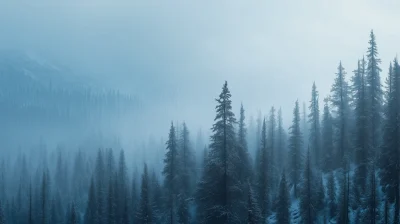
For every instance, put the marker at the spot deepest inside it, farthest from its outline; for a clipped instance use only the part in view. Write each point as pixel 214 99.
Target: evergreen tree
pixel 361 141
pixel 145 214
pixel 374 92
pixel 295 146
pixel 307 209
pixel 327 138
pixel 262 177
pixel 314 132
pixel 280 142
pixel 283 202
pixel 272 178
pixel 245 170
pixel 253 211
pixel 340 102
pixel 389 157
pixel 156 199
pixel 220 195
pixel 187 174
pixel 170 172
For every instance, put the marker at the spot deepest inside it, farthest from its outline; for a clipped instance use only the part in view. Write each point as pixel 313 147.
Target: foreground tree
pixel 219 194
pixel 340 103
pixel 171 175
pixel 295 146
pixel 314 132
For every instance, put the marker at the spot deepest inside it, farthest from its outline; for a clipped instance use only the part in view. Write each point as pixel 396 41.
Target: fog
pixel 178 53
pixel 102 73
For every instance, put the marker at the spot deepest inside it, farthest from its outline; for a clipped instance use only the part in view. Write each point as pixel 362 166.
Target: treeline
pixel 338 165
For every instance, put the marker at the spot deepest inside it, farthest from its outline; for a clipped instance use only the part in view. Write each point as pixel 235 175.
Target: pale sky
pixel 178 53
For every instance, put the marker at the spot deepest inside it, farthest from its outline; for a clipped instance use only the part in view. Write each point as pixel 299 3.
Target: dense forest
pixel 337 163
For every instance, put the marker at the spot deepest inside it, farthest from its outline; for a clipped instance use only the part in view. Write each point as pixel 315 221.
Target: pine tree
pixel 262 177
pixel 340 102
pixel 361 141
pixel 280 142
pixel 327 138
pixel 314 132
pixel 283 202
pixel 220 195
pixel 304 126
pixel 253 211
pixel 156 198
pixel 389 157
pixel 295 146
pixel 145 214
pixel 187 175
pixel 170 172
pixel 245 169
pixel 374 92
pixel 307 209
pixel 272 178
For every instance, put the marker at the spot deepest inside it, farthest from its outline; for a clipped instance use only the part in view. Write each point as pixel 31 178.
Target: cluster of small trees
pixel 329 167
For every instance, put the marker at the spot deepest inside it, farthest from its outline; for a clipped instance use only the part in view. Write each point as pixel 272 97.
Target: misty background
pixel 172 57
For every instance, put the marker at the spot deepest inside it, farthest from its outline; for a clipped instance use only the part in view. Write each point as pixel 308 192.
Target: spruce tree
pixel 374 92
pixel 245 169
pixel 145 213
pixel 314 132
pixel 389 157
pixel 280 142
pixel 361 140
pixel 171 175
pixel 283 202
pixel 272 178
pixel 340 101
pixel 295 149
pixel 220 195
pixel 187 175
pixel 307 207
pixel 327 138
pixel 262 176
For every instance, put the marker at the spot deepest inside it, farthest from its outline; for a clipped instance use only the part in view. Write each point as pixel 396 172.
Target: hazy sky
pixel 180 52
